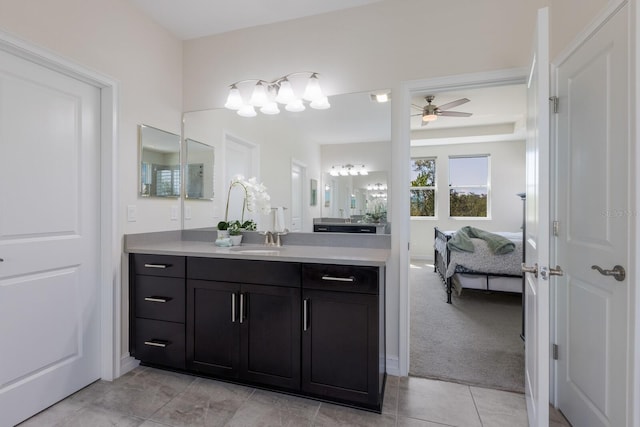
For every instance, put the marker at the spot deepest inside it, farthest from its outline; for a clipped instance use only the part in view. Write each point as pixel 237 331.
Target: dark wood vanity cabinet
pixel 157 304
pixel 311 329
pixel 244 320
pixel 343 338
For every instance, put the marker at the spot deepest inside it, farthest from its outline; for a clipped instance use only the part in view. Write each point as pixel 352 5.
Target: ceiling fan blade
pixel 454 114
pixel 423 123
pixel 453 104
pixel 417 107
pixel 416 115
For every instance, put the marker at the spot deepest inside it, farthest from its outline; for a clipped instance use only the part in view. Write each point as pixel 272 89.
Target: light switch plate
pixel 187 212
pixel 132 213
pixel 174 213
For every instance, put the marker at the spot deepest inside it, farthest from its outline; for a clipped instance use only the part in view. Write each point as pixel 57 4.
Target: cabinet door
pixel 213 327
pixel 270 335
pixel 340 346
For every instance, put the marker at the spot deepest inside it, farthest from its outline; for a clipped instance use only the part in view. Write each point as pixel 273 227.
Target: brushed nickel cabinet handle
pixel 233 307
pixel 161 300
pixel 305 314
pixel 339 279
pixel 156 343
pixel 157 265
pixel 241 307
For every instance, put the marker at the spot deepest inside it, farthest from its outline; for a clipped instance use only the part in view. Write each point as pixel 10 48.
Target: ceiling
pixel 498 112
pixel 189 19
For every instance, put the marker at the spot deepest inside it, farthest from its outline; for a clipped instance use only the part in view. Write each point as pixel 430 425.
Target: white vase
pixel 235 240
pixel 223 234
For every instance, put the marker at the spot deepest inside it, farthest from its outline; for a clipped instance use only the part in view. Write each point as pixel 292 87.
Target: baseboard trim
pixel 393 366
pixel 128 363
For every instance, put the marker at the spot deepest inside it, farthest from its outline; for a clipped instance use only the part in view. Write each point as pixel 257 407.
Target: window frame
pixel 433 187
pixel 487 186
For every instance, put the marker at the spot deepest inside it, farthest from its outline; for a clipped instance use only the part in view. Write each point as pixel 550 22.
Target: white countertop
pixel 290 253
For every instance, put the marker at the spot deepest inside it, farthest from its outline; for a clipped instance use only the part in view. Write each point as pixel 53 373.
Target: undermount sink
pixel 249 251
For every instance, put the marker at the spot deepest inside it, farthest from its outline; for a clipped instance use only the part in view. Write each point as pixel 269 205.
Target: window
pixel 423 187
pixel 469 186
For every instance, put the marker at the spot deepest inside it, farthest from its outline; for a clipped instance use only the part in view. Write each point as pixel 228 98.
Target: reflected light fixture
pixel 266 95
pixel 348 170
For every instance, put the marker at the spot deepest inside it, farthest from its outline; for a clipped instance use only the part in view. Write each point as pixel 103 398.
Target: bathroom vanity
pixel 303 319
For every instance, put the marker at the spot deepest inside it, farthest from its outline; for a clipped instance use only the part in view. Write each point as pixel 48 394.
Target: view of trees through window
pixel 423 187
pixel 468 186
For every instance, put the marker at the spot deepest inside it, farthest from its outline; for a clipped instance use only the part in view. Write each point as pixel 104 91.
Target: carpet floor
pixel 476 340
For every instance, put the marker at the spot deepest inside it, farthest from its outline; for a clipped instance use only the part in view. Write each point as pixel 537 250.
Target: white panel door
pixel 537 229
pixel 49 237
pixel 297 174
pixel 594 213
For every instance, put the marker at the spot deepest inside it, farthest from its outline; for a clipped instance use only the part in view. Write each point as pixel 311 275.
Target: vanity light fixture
pixel 267 95
pixel 348 170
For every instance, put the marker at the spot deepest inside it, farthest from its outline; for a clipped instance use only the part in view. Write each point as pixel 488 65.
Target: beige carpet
pixel 476 340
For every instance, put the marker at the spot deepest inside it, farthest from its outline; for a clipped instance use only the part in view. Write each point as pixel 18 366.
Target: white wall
pixel 507 177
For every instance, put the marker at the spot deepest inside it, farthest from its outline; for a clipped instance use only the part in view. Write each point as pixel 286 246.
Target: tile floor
pixel 150 397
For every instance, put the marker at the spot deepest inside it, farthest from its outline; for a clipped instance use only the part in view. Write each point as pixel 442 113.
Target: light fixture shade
pixel 429 117
pixel 344 171
pixel 270 108
pixel 363 171
pixel 320 104
pixel 382 97
pixel 353 171
pixel 295 106
pixel 313 91
pixel 285 93
pixel 334 171
pixel 247 111
pixel 234 100
pixel 259 96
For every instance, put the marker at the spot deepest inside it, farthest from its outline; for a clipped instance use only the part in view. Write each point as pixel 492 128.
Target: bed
pixel 480 269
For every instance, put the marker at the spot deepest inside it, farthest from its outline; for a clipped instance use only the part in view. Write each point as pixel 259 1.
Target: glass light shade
pixel 259 96
pixel 247 111
pixel 234 100
pixel 363 171
pixel 313 92
pixel 353 171
pixel 295 106
pixel 285 93
pixel 334 171
pixel 270 108
pixel 344 172
pixel 429 117
pixel 320 104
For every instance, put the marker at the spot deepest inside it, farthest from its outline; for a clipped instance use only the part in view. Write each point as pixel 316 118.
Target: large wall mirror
pixel 159 162
pixel 356 129
pixel 198 170
pixel 356 197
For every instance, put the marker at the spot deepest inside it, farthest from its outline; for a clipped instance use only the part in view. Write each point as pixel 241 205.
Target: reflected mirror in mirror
pixel 198 170
pixel 355 128
pixel 159 162
pixel 359 198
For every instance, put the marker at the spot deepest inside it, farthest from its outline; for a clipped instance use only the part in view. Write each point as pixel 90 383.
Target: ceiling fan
pixel 431 112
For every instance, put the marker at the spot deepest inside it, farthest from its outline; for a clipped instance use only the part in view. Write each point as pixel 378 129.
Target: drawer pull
pixel 339 279
pixel 156 343
pixel 157 299
pixel 233 307
pixel 242 307
pixel 157 265
pixel 365 230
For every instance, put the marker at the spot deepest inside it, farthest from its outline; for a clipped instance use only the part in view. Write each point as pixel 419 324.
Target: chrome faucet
pixel 268 238
pixel 272 238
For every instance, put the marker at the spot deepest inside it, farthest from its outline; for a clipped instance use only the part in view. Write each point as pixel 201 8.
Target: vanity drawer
pixel 244 271
pixel 161 343
pixel 344 278
pixel 160 298
pixel 159 265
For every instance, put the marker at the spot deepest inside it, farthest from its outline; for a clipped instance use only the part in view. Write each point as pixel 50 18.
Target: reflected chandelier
pixel 267 95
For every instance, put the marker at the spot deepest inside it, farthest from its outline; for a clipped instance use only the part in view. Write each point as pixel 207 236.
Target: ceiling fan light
pixel 429 117
pixel 313 91
pixel 234 100
pixel 285 93
pixel 295 106
pixel 270 108
pixel 259 96
pixel 320 104
pixel 247 111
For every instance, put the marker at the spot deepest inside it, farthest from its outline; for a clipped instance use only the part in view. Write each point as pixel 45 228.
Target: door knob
pixel 546 272
pixel 527 269
pixel 617 272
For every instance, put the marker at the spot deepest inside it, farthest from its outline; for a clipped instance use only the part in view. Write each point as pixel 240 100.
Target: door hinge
pixel 556 228
pixel 554 349
pixel 554 100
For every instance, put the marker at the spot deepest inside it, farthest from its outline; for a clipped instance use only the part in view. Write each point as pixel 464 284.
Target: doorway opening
pixel 467 170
